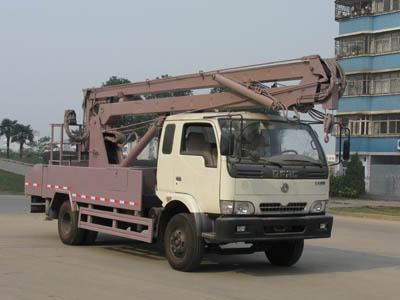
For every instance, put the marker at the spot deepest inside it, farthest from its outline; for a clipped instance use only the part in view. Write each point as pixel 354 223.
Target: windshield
pixel 272 142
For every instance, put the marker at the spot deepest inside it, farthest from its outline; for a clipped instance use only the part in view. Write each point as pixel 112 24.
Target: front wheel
pixel 183 247
pixel 285 253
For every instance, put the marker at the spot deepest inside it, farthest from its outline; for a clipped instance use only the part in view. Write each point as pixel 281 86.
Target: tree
pixel 351 184
pixel 158 96
pixel 114 80
pixel 220 89
pixel 43 144
pixel 7 129
pixel 127 120
pixel 355 175
pixel 22 134
pixel 130 120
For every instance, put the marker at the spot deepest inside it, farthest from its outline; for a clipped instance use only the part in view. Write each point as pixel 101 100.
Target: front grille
pixel 250 173
pixel 293 207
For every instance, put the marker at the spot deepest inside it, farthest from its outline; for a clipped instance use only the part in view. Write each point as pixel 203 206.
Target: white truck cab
pixel 251 177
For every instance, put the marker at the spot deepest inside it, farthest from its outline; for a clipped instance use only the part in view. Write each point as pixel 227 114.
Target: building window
pixel 368 44
pixel 395 41
pixel 382 43
pixel 373 84
pixel 386 5
pixel 354 8
pixel 372 125
pixel 352 46
pixel 381 84
pixel 386 42
pixel 347 9
pixel 357 85
pixel 386 83
pixel 386 124
pixel 359 125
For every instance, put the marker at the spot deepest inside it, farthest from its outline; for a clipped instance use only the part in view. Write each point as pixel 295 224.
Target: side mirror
pixel 226 144
pixel 346 149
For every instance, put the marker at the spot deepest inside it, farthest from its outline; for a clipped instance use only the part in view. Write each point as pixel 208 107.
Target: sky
pixel 51 50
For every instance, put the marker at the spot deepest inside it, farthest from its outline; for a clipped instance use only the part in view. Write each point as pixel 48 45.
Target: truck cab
pixel 246 177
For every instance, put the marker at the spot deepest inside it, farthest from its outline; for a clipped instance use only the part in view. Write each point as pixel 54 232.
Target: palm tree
pixel 7 129
pixel 22 134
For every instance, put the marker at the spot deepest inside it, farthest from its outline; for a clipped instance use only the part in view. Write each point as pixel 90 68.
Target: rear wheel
pixel 68 229
pixel 285 253
pixel 183 247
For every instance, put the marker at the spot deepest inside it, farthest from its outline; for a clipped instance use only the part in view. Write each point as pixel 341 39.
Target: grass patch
pixel 378 210
pixel 11 183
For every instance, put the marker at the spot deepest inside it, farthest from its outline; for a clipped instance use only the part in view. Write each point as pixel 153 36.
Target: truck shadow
pixel 315 260
pixel 139 249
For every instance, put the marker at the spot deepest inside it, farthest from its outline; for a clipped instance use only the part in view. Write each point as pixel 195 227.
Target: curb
pixel 17 162
pixel 366 216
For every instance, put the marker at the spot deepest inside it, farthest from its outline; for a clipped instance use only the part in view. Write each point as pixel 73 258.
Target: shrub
pixel 355 175
pixel 351 184
pixel 340 188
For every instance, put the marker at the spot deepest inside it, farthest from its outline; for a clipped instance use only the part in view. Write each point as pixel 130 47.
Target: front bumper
pixel 263 229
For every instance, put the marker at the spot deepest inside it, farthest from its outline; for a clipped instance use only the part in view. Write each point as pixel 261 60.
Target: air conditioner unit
pixel 398 144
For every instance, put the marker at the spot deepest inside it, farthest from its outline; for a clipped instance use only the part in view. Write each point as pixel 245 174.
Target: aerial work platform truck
pixel 221 171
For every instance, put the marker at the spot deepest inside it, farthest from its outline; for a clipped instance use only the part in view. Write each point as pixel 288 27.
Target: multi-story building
pixel 368 49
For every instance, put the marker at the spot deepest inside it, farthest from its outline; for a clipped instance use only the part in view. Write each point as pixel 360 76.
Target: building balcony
pixel 345 9
pixel 369 104
pixel 376 145
pixel 384 62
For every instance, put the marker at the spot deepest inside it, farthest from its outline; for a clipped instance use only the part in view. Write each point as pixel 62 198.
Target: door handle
pixel 178 178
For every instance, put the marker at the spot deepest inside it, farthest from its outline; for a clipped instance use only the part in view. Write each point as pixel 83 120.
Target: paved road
pixel 361 261
pixel 13 167
pixel 14 204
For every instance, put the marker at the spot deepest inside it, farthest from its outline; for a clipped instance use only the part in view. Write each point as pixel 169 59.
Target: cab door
pixel 166 159
pixel 197 165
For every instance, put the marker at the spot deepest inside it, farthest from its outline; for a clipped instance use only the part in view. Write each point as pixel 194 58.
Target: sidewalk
pixel 15 167
pixel 336 202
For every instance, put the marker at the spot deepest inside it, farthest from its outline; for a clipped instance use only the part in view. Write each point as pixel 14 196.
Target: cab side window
pixel 199 139
pixel 168 139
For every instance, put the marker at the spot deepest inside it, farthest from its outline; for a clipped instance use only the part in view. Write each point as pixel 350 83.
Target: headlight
pixel 226 207
pixel 236 207
pixel 243 208
pixel 318 206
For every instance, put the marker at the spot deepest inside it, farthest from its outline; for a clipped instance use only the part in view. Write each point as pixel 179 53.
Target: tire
pixel 90 237
pixel 183 248
pixel 285 254
pixel 68 229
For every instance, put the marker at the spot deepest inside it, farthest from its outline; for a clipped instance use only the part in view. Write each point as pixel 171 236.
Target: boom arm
pixel 319 82
pixel 312 81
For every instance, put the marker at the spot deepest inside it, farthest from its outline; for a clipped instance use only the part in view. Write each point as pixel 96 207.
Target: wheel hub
pixel 177 243
pixel 66 223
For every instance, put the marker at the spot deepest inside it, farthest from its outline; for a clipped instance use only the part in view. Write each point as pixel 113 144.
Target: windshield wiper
pixel 307 161
pixel 271 162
